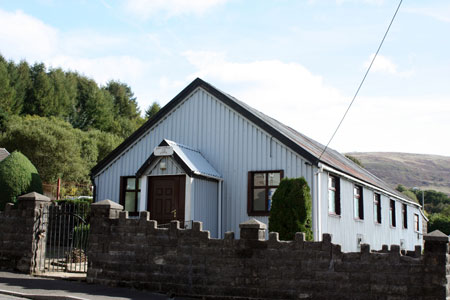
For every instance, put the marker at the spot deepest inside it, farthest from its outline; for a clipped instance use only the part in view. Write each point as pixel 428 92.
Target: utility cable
pixel 362 81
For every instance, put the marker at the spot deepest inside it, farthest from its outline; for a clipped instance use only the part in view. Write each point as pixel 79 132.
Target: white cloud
pixel 23 36
pixel 382 64
pixel 102 69
pixel 286 91
pixel 437 12
pixel 295 96
pixel 376 2
pixel 145 9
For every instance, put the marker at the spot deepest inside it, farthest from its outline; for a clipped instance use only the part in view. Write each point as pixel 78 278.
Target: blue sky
pixel 297 61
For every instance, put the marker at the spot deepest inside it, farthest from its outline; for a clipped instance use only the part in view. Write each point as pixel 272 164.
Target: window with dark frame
pixel 405 215
pixel 261 187
pixel 334 195
pixel 416 222
pixel 358 204
pixel 129 194
pixel 377 208
pixel 392 213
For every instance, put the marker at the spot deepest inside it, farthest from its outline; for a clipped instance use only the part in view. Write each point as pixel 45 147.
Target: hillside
pixel 412 170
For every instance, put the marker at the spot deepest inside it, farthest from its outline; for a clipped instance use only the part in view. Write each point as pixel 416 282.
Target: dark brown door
pixel 166 198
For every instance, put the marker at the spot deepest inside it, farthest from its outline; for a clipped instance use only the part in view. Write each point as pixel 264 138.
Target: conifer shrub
pixel 18 176
pixel 291 209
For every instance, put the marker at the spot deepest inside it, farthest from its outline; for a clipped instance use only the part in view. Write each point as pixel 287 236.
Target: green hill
pixel 428 172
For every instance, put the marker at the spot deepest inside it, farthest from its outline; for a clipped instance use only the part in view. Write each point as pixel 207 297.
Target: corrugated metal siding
pixel 233 145
pixel 172 168
pixel 204 204
pixel 345 228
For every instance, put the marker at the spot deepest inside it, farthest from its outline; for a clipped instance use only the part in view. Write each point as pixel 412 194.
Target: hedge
pixel 291 209
pixel 18 176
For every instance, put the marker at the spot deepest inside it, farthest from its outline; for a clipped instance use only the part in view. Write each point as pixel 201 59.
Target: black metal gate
pixel 66 237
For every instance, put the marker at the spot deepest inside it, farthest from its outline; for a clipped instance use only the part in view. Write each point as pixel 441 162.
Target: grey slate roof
pixel 3 153
pixel 195 160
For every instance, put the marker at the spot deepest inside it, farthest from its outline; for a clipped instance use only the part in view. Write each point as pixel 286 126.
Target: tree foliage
pixel 34 90
pixel 62 121
pixel 18 176
pixel 355 160
pixel 152 110
pixel 291 209
pixel 437 205
pixel 56 148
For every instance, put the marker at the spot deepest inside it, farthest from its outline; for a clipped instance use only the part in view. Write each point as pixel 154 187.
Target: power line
pixel 362 81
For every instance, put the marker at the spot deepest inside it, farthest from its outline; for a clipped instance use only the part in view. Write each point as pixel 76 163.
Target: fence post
pixel 436 252
pixel 32 206
pixel 253 230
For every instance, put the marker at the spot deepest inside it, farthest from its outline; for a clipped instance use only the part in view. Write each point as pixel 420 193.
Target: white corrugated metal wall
pixel 231 143
pixel 204 203
pixel 346 228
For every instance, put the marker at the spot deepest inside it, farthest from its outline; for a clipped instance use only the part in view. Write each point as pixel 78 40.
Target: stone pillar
pixel 32 235
pixel 103 214
pixel 253 230
pixel 436 253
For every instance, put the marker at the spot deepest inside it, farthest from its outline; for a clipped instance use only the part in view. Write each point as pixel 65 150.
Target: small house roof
pixel 3 153
pixel 191 160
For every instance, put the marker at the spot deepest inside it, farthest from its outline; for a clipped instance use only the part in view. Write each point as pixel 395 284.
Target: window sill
pixel 393 227
pixel 258 214
pixel 376 223
pixel 358 220
pixel 334 215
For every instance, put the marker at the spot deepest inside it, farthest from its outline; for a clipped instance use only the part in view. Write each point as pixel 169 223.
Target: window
pixel 377 208
pixel 129 194
pixel 261 186
pixel 405 215
pixel 392 213
pixel 358 205
pixel 334 197
pixel 416 222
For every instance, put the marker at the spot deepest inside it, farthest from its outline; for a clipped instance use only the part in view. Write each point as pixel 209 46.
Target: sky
pixel 299 62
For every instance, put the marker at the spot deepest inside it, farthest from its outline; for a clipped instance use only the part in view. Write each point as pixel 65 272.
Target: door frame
pixel 181 195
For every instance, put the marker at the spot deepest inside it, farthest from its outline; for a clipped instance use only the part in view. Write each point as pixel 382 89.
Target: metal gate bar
pixel 65 242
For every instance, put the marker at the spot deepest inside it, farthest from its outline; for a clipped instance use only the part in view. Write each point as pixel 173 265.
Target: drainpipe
pixel 319 202
pixel 219 209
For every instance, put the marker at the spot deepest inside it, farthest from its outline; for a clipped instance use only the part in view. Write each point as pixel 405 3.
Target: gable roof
pixel 191 160
pixel 3 153
pixel 299 143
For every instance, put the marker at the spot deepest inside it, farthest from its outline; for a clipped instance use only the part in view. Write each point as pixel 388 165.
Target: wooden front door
pixel 166 198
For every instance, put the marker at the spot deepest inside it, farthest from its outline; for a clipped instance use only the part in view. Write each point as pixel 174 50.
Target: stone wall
pixel 20 232
pixel 135 253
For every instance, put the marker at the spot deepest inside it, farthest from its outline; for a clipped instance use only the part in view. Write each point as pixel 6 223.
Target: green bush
pixel 291 209
pixel 81 236
pixel 18 176
pixel 439 222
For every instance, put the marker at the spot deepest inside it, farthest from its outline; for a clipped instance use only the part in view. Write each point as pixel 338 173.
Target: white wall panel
pixel 345 228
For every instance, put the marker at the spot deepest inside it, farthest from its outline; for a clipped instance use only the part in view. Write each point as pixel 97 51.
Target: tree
pixel 18 176
pixel 125 103
pixel 40 99
pixel 440 222
pixel 51 144
pixel 152 110
pixel 355 160
pixel 6 91
pixel 56 148
pixel 291 209
pixel 21 82
pixel 94 108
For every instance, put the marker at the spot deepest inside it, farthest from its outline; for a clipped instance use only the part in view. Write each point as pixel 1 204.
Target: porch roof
pixel 191 160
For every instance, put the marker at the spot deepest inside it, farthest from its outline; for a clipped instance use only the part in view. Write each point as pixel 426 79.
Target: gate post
pixel 102 215
pixel 31 250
